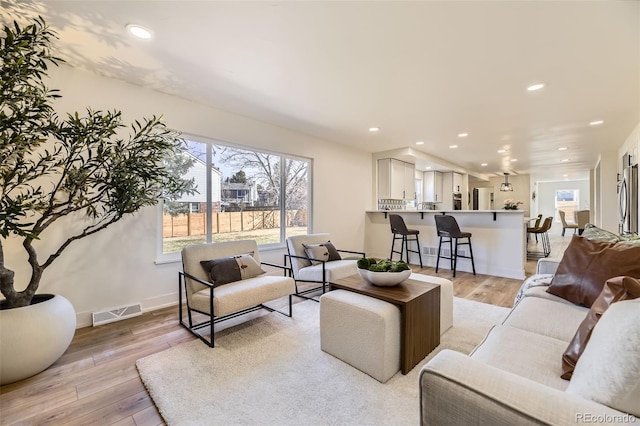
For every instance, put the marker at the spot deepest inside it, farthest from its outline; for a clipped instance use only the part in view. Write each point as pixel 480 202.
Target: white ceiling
pixel 417 70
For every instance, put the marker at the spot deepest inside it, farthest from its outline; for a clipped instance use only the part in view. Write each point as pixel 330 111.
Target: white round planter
pixel 34 337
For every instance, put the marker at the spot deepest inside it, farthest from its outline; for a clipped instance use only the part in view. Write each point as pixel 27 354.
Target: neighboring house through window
pixel 241 194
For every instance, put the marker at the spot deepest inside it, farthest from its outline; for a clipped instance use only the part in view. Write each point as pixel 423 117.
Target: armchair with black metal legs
pixel 314 259
pixel 241 285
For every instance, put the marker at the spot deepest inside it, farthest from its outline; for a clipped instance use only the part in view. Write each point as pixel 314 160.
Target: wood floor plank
pixel 85 406
pixel 115 412
pixel 148 417
pixel 17 411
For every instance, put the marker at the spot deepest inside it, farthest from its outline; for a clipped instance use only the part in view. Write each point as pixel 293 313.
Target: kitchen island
pixel 499 239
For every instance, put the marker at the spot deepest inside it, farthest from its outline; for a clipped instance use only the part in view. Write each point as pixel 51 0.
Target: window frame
pixel 162 258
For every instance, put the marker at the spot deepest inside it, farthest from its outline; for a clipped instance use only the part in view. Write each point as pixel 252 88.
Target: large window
pixel 241 194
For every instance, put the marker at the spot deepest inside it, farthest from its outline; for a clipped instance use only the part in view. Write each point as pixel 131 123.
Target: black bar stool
pixel 400 232
pixel 447 227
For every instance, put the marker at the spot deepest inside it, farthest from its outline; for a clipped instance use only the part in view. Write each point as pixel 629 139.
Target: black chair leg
pixel 438 259
pixel 451 260
pixel 393 243
pixel 419 251
pixel 454 257
pixel 473 265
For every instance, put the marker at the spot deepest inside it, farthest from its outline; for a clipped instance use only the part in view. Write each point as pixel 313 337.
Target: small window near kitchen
pixel 567 200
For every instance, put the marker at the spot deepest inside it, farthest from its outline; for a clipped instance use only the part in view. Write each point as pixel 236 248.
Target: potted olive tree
pixel 90 168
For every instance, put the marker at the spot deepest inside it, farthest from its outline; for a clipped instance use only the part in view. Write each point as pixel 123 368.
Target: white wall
pixel 608 197
pixel 116 267
pixel 520 192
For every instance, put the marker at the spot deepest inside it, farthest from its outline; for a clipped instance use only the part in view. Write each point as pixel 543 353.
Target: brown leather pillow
pixel 588 264
pixel 615 290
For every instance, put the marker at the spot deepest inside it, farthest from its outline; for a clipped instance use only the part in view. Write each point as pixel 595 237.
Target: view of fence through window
pixel 253 195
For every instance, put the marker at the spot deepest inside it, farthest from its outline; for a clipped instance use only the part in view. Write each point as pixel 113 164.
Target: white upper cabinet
pixel 457 182
pixel 452 182
pixel 396 179
pixel 432 187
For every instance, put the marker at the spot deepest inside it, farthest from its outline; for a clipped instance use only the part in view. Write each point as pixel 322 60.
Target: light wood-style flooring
pixel 96 381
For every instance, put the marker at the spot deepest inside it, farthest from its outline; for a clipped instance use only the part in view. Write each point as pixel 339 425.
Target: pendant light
pixel 506 186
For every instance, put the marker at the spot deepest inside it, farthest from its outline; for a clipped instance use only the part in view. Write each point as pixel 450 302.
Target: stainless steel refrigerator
pixel 482 199
pixel 628 196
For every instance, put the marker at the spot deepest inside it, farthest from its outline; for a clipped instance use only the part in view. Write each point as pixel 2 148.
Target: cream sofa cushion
pixel 534 356
pixel 608 370
pixel 532 315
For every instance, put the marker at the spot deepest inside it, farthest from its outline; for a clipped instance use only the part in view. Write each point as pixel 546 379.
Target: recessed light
pixel 139 31
pixel 502 151
pixel 565 175
pixel 562 148
pixel 374 129
pixel 513 160
pixel 428 168
pixel 564 160
pixel 453 146
pixel 484 164
pixel 463 135
pixel 596 123
pixel 535 87
pixel 420 143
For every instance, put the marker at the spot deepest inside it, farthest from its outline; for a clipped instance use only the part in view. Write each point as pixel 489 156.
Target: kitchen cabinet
pixel 452 182
pixel 432 187
pixel 452 187
pixel 396 179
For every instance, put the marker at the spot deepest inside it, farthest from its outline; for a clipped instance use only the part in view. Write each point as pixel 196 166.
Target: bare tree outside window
pixel 254 195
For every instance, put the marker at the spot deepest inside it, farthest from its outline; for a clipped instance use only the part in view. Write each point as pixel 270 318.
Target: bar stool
pixel 400 232
pixel 447 227
pixel 544 236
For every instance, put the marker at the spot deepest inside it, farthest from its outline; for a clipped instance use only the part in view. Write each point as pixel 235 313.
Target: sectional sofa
pixel 514 375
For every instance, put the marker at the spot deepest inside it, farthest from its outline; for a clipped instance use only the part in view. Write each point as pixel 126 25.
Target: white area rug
pixel 270 370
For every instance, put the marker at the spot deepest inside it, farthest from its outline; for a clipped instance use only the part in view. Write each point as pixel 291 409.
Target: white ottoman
pixel 446 298
pixel 362 331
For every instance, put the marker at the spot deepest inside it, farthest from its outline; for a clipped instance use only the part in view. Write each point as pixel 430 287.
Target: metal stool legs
pixel 404 247
pixel 453 250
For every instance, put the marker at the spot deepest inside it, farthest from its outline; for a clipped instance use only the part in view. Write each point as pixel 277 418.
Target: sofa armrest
pixel 547 266
pixel 456 389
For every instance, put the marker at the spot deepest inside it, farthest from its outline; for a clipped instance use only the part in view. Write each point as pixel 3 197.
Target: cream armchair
pixel 313 269
pixel 582 218
pixel 228 296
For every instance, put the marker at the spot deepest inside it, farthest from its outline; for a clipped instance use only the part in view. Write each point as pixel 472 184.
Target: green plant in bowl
pixel 384 272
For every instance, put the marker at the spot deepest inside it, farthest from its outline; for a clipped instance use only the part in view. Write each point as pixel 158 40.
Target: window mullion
pixel 209 212
pixel 283 199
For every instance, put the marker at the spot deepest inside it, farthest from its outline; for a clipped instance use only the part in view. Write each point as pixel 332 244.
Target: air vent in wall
pixel 116 314
pixel 433 251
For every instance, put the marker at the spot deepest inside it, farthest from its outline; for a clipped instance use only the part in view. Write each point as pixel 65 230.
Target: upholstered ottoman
pixel 362 331
pixel 446 298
